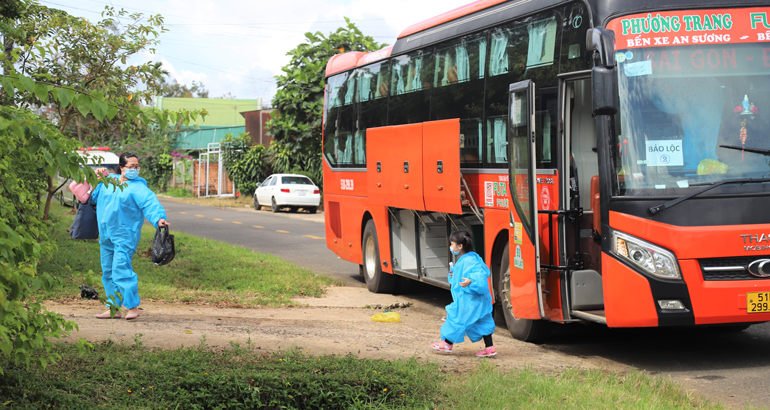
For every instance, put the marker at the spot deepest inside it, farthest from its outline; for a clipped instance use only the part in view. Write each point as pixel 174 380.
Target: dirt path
pixel 340 323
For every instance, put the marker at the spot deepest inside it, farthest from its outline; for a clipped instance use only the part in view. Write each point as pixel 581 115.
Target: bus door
pixel 526 290
pixel 582 281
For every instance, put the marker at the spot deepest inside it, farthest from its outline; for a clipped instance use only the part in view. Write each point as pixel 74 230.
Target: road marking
pixel 238 223
pixel 313 237
pixel 183 213
pixel 260 227
pixel 200 216
pixel 217 219
pixel 282 231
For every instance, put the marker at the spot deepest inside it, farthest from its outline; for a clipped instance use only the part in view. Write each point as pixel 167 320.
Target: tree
pixel 30 148
pixel 176 90
pixel 245 164
pixel 297 129
pixel 75 72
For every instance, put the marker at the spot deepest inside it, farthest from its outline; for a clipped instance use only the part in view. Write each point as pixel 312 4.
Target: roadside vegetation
pixel 241 377
pixel 179 193
pixel 243 201
pixel 203 271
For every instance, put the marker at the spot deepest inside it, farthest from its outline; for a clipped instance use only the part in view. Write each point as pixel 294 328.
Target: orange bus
pixel 609 157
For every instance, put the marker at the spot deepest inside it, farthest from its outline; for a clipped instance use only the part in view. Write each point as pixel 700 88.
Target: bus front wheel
pixel 377 281
pixel 528 330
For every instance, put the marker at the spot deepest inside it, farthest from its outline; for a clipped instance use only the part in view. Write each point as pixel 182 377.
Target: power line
pixel 216 69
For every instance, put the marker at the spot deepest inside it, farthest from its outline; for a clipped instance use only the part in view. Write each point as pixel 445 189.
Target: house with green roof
pixel 224 117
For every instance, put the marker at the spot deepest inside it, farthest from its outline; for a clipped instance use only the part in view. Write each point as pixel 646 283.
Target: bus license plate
pixel 758 302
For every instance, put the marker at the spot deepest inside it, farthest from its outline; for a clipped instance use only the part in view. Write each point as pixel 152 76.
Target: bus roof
pixel 449 16
pixel 342 62
pixel 480 14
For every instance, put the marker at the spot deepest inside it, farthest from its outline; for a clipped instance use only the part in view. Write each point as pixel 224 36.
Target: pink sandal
pixel 106 315
pixel 442 346
pixel 487 352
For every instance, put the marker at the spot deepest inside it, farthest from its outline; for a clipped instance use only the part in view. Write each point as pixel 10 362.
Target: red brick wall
pixel 199 184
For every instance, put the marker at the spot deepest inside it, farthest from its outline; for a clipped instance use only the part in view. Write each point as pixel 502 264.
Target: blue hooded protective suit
pixel 471 312
pixel 120 215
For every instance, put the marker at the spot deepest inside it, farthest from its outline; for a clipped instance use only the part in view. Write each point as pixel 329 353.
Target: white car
pixel 287 190
pixel 97 157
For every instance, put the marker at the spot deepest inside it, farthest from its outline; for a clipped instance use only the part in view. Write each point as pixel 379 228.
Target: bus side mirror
pixel 604 75
pixel 604 87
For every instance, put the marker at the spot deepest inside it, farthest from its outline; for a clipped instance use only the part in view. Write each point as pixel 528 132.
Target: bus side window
pixel 373 86
pixel 409 100
pixel 339 117
pixel 458 91
pixel 507 48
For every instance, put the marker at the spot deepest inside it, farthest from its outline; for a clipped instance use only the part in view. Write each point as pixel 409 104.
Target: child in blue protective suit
pixel 471 312
pixel 120 215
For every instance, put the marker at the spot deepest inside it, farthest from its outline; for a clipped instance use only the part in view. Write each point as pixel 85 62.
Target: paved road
pixel 731 367
pixel 297 238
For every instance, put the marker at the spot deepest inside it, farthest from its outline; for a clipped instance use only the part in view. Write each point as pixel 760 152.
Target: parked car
pixel 287 190
pixel 94 154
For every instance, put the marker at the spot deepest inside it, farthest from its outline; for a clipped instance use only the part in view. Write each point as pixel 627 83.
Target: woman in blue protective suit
pixel 471 312
pixel 120 215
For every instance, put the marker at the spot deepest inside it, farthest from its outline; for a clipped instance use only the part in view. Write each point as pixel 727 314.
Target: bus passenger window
pixel 340 113
pixel 497 142
pixel 458 91
pixel 542 42
pixel 409 101
pixel 373 83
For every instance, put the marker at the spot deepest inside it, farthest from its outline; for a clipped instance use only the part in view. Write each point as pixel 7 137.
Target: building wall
pixel 256 125
pixel 199 185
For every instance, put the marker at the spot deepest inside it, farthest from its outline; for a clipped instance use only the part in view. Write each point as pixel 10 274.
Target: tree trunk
pixel 49 197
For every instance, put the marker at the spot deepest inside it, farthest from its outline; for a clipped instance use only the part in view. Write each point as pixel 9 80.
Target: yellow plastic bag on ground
pixel 711 166
pixel 390 317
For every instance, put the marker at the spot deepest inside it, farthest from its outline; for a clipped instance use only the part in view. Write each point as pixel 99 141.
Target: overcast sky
pixel 238 46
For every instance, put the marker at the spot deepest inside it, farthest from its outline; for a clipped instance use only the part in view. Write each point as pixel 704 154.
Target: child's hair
pixel 462 238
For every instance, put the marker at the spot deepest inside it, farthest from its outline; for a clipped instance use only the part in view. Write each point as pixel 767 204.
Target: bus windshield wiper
pixel 655 209
pixel 754 150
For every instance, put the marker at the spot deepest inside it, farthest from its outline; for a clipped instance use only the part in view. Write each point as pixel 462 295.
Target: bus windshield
pixel 694 111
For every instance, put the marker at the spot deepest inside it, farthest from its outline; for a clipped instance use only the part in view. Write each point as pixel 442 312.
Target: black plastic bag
pixel 87 292
pixel 163 250
pixel 85 226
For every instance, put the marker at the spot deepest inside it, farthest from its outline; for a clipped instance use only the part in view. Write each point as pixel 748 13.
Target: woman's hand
pixel 465 282
pixel 163 223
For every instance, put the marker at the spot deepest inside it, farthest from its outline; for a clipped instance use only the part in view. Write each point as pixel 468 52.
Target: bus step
pixel 596 316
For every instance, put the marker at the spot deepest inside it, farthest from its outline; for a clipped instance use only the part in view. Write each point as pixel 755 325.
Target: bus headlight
pixel 650 258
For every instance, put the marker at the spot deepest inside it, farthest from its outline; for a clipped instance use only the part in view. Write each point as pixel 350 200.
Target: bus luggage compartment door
pixel 394 166
pixel 441 166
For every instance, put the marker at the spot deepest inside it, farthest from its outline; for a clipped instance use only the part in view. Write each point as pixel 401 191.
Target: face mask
pixel 131 173
pixel 454 252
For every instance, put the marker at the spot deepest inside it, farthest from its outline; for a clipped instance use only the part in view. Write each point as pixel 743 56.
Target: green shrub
pixel 179 193
pixel 204 378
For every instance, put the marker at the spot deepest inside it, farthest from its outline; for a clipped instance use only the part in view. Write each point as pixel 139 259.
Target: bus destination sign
pixel 678 28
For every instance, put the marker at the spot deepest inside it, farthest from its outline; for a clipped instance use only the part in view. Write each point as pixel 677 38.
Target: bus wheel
pixel 528 330
pixel 376 280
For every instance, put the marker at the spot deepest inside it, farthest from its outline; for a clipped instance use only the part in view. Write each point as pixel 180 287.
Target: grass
pixel 242 201
pixel 203 271
pixel 240 377
pixel 486 387
pixel 179 193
